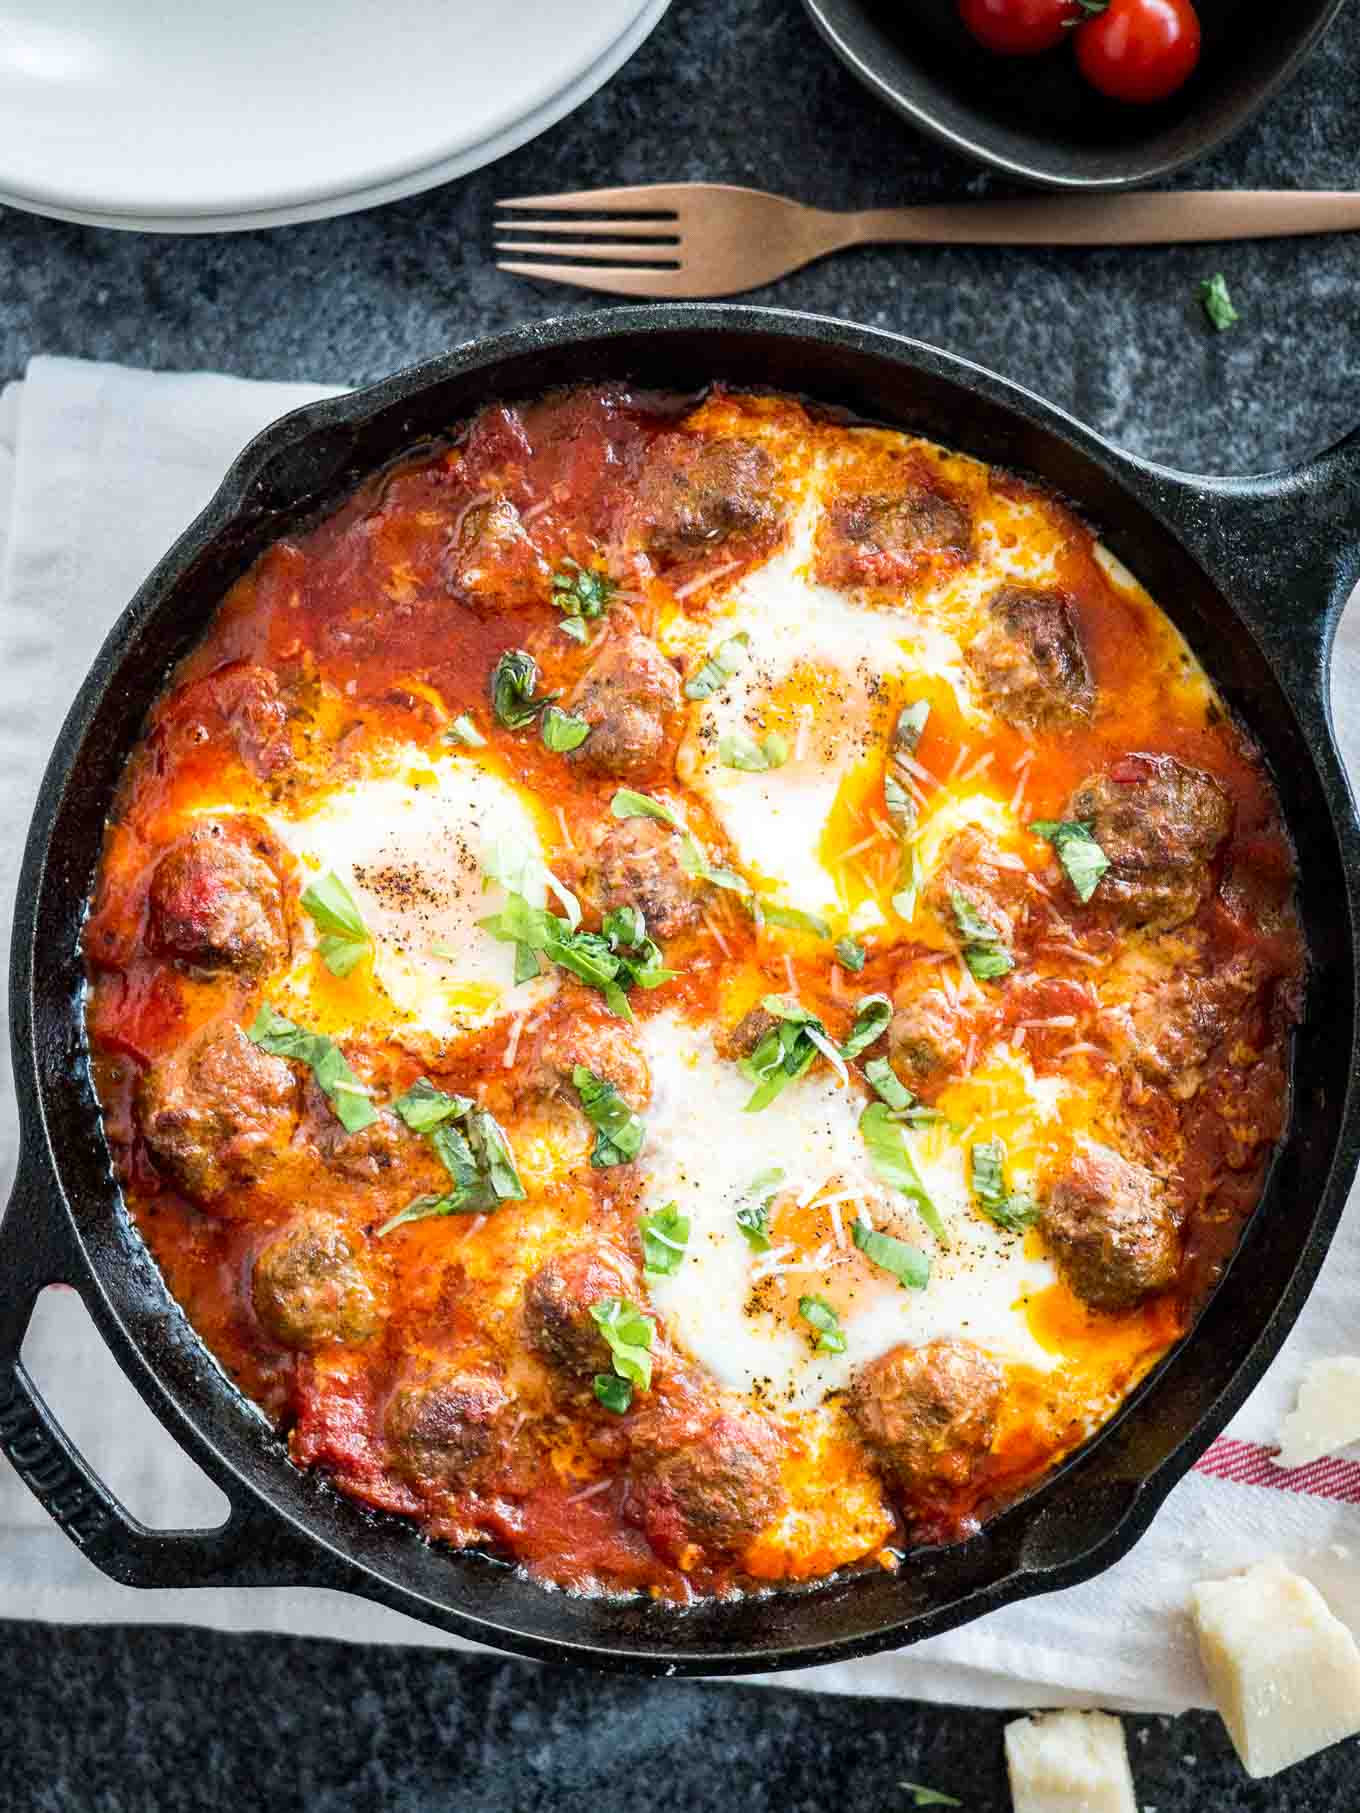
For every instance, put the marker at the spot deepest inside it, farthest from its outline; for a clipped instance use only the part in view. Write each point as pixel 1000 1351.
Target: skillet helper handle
pixel 1286 545
pixel 251 1548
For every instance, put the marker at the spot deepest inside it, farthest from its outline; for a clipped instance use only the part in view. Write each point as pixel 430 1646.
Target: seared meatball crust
pixel 1111 1230
pixel 1030 661
pixel 628 695
pixel 704 1474
pixel 1161 824
pixel 310 1289
pixel 218 1112
pixel 930 1413
pixel 214 903
pixel 557 1305
pixel 442 1423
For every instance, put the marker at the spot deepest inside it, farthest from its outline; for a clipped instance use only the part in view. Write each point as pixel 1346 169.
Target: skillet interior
pixel 1082 1517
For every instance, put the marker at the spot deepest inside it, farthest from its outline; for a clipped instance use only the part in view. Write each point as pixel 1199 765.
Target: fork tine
pixel 614 225
pixel 613 280
pixel 641 198
pixel 606 254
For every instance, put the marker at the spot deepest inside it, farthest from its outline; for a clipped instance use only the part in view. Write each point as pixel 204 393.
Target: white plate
pixel 203 115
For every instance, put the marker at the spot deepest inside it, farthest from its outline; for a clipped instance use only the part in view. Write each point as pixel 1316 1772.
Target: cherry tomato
pixel 1139 50
pixel 1019 28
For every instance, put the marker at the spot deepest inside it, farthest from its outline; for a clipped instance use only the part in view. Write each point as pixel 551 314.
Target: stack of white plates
pixel 196 116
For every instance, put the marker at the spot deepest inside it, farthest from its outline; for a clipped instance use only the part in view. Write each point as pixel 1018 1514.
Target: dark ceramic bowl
pixel 1036 120
pixel 1256 571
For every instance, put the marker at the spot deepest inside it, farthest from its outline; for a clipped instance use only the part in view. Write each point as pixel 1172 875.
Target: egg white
pixel 706 1162
pixel 411 839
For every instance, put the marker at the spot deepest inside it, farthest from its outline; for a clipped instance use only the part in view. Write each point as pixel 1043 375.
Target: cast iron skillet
pixel 1254 570
pixel 1035 119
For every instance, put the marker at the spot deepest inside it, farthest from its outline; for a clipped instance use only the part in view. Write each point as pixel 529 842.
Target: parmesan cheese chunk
pixel 1284 1673
pixel 1327 1415
pixel 1069 1762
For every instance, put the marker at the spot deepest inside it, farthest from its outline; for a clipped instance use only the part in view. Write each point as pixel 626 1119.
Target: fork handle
pixel 1170 218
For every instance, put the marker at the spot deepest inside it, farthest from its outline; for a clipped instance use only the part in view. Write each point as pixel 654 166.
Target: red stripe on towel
pixel 1249 1464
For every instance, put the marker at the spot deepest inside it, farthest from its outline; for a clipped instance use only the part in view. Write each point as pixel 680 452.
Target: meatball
pixel 877 540
pixel 926 1034
pixel 557 1316
pixel 1110 1230
pixel 309 1289
pixel 239 706
pixel 1160 824
pixel 1176 1025
pixel 929 1412
pixel 493 557
pixel 217 1113
pixel 579 1033
pixel 707 1476
pixel 637 863
pixel 442 1423
pixel 215 905
pixel 626 696
pixel 1030 662
pixel 695 494
pixel 970 868
pixel 382 1153
pixel 749 1030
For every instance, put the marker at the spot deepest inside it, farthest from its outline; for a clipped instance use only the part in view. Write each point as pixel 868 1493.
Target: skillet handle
pixel 253 1547
pixel 1285 546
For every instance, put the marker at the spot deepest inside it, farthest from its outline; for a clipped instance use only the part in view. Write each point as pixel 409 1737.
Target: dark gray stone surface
pixel 182 1721
pixel 737 90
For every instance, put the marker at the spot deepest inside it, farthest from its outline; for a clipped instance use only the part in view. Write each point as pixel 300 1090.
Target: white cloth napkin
pixel 100 468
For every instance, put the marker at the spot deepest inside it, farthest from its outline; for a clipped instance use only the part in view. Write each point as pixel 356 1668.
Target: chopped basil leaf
pixel 512 689
pixel 344 938
pixel 573 627
pixel 1013 1209
pixel 742 751
pixel 987 962
pixel 909 878
pixel 625 925
pixel 983 951
pixel 664 1238
pixel 871 1022
pixel 903 1105
pixel 463 730
pixel 851 954
pixel 629 1334
pixel 892 1160
pixel 929 1797
pixel 787 1051
pixel 423 1107
pixel 791 917
pixel 693 862
pixel 580 591
pixel 908 1264
pixel 901 807
pixel 337 1082
pixel 520 871
pixel 818 1312
pixel 455 1154
pixel 1082 859
pixel 911 721
pixel 628 804
pixel 719 668
pixel 527 965
pixel 423 1208
pixel 562 730
pixel 753 1217
pixel 1218 304
pixel 493 1156
pixel 614 1393
pixel 886 1083
pixel 619 1132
